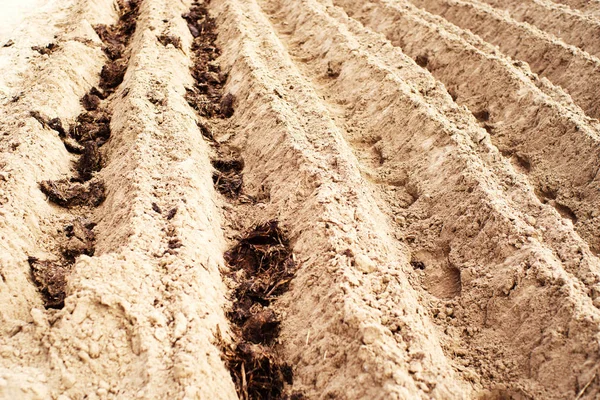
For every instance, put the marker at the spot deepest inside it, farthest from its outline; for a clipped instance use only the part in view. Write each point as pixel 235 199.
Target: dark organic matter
pixel 46 50
pixel 80 239
pixel 206 96
pixel 264 256
pixel 170 39
pixel 112 74
pixel 65 193
pixel 228 175
pixel 90 101
pixel 257 371
pixel 51 279
pixel 226 105
pixel 91 126
pixel 116 37
pixel 90 160
pixel 171 213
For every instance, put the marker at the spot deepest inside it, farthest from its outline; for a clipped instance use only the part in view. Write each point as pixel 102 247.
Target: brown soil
pixel 66 193
pixel 317 199
pixel 46 50
pixel 51 279
pixel 228 177
pixel 166 40
pixel 91 126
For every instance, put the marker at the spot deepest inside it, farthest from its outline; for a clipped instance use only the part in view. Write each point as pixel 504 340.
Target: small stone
pixel 39 318
pixel 371 333
pixel 414 367
pixel 181 325
pixel 365 264
pixel 94 350
pixel 68 380
pixel 83 356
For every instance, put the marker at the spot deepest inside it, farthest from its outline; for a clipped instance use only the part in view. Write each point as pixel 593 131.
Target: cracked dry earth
pixel 316 199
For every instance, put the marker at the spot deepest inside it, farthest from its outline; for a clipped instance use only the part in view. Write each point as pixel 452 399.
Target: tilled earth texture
pixel 301 199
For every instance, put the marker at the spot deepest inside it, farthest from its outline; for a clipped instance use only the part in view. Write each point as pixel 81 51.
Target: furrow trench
pixel 563 65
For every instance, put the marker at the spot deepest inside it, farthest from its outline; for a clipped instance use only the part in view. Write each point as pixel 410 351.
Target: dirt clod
pixel 90 161
pixel 417 265
pixel 261 327
pixel 333 71
pixel 56 124
pixel 51 279
pixel 228 177
pixel 264 256
pixel 112 74
pixel 175 243
pixel 422 60
pixel 171 213
pixel 65 193
pixel 90 102
pixel 46 50
pixel 170 39
pixel 482 115
pixel 80 239
pixel 226 105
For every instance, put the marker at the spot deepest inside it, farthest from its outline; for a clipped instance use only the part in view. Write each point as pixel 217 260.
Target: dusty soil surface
pixel 316 199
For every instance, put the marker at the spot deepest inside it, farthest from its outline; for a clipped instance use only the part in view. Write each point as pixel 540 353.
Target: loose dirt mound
pixel 278 199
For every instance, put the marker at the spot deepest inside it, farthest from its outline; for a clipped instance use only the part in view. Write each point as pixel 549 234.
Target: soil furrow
pixel 84 191
pixel 51 85
pixel 141 315
pixel 147 307
pixel 570 25
pixel 432 213
pixel 262 265
pixel 288 140
pixel 526 125
pixel 260 261
pixel 564 65
pixel 282 199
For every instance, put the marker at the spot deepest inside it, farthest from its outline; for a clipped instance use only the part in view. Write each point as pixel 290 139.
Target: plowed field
pixel 301 199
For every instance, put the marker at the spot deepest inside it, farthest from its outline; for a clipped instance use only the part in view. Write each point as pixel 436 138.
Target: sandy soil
pixel 317 199
pixel 14 12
